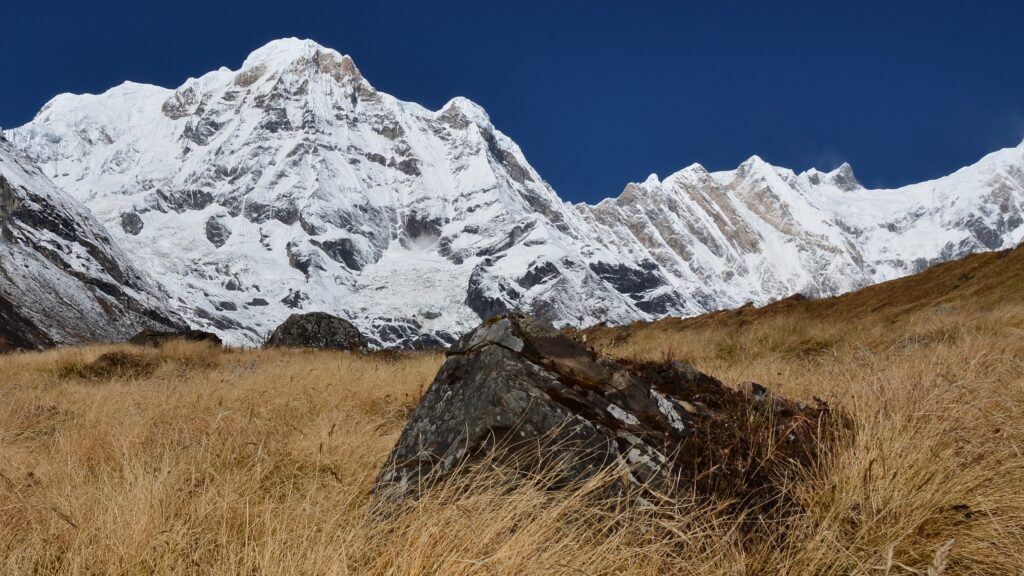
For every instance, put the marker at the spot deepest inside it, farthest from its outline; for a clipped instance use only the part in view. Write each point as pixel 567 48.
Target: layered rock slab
pixel 517 388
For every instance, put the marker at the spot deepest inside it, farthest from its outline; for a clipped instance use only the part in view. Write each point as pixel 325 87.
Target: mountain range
pixel 293 184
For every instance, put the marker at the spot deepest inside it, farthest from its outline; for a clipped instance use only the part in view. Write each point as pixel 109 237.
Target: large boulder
pixel 317 330
pixel 515 383
pixel 150 337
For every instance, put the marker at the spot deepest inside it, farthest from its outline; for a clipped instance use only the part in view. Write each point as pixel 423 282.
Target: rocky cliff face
pixel 62 279
pixel 291 184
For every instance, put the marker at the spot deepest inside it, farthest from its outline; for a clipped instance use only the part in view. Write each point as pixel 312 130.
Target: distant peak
pixel 844 178
pixel 467 108
pixel 692 172
pixel 843 168
pixel 652 180
pixel 754 165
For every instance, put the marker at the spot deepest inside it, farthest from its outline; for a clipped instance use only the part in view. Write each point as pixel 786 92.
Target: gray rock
pixel 131 223
pixel 295 299
pixel 515 383
pixel 341 250
pixel 317 330
pixel 149 337
pixel 302 258
pixel 217 232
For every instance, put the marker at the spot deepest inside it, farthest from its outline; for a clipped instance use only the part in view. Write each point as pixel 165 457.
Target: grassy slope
pixel 190 460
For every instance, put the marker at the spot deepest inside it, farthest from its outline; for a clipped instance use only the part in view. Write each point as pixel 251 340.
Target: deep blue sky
pixel 597 93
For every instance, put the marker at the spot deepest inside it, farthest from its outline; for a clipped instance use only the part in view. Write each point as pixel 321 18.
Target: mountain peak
pixel 293 184
pixel 285 50
pixel 754 167
pixel 844 178
pixel 282 53
pixel 473 111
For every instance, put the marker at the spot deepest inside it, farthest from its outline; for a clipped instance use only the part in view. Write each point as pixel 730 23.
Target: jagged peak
pixel 695 170
pixel 633 190
pixel 694 174
pixel 754 160
pixel 843 169
pixel 755 165
pixel 841 177
pixel 466 107
pixel 844 178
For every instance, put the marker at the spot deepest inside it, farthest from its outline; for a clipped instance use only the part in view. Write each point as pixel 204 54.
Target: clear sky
pixel 597 93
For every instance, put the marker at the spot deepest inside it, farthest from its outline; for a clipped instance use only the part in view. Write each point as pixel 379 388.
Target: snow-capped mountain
pixel 760 232
pixel 62 278
pixel 291 183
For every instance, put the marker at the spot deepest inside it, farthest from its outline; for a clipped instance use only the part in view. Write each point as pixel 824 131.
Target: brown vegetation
pixel 206 461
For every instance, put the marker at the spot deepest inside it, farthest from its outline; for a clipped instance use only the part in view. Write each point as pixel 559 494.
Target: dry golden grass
pixel 191 460
pixel 935 462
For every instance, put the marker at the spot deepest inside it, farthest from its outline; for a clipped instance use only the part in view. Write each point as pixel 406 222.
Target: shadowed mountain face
pixel 62 279
pixel 291 184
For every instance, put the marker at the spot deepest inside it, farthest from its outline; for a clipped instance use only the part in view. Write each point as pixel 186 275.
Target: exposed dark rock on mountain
pixel 18 332
pixel 131 223
pixel 150 337
pixel 515 382
pixel 317 330
pixel 217 232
